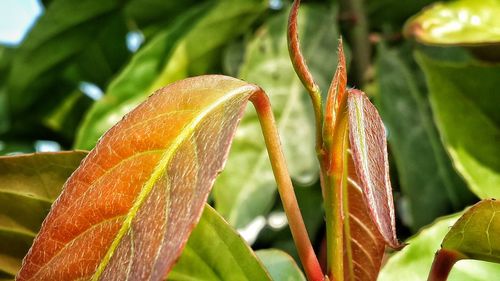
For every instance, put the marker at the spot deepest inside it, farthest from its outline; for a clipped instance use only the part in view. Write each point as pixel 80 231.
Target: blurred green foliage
pixel 440 103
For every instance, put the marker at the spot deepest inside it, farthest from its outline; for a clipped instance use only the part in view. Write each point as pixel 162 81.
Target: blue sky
pixel 16 16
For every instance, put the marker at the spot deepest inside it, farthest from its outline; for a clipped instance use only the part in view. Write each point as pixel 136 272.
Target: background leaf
pixel 28 185
pixel 246 188
pixel 135 199
pixel 215 251
pixel 173 54
pixel 280 265
pixel 465 102
pixel 415 142
pixel 457 22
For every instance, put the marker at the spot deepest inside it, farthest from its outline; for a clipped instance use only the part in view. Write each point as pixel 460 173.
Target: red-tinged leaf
pixel 337 91
pixel 364 246
pixel 369 151
pixel 127 211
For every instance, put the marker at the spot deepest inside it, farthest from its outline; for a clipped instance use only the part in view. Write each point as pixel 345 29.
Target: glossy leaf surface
pixel 464 99
pixel 215 251
pixel 415 143
pixel 475 234
pixel 173 54
pixel 245 189
pixel 457 22
pixel 28 185
pixel 369 153
pixel 135 199
pixel 280 265
pixel 414 261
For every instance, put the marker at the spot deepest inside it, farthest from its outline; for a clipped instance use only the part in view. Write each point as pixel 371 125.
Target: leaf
pixel 135 199
pixel 245 189
pixel 364 245
pixel 369 154
pixel 462 22
pixel 28 185
pixel 53 42
pixel 414 261
pixel 215 251
pixel 173 54
pixel 280 265
pixel 466 94
pixel 415 142
pixel 475 234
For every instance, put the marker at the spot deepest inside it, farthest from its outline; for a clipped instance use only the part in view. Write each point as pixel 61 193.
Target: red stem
pixel 443 263
pixel 285 187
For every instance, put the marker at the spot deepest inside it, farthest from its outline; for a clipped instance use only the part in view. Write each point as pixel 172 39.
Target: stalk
pixel 443 263
pixel 285 188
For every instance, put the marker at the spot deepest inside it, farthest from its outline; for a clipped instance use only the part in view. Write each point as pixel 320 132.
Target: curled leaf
pixel 129 208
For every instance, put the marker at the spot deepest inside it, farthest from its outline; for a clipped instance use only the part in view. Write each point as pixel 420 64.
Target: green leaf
pixel 215 251
pixel 246 188
pixel 280 265
pixel 457 22
pixel 59 35
pixel 475 234
pixel 28 185
pixel 464 99
pixel 415 142
pixel 414 261
pixel 173 54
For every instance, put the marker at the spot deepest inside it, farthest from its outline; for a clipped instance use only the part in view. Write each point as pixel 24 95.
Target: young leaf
pixel 414 261
pixel 135 199
pixel 364 245
pixel 369 153
pixel 28 185
pixel 466 93
pixel 215 251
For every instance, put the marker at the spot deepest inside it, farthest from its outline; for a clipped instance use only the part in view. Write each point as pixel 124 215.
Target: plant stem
pixel 335 186
pixel 300 66
pixel 358 36
pixel 443 263
pixel 285 187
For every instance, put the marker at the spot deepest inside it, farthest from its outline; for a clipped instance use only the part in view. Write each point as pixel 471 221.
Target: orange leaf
pixel 127 211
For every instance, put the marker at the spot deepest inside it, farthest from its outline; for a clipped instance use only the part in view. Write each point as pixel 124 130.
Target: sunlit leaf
pixel 28 185
pixel 136 197
pixel 475 234
pixel 280 265
pixel 245 189
pixel 215 251
pixel 464 99
pixel 415 143
pixel 457 22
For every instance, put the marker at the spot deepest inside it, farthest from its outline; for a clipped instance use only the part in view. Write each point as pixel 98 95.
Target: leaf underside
pixel 364 247
pixel 129 208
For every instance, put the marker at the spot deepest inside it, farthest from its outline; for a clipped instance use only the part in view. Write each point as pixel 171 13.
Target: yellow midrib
pixel 158 171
